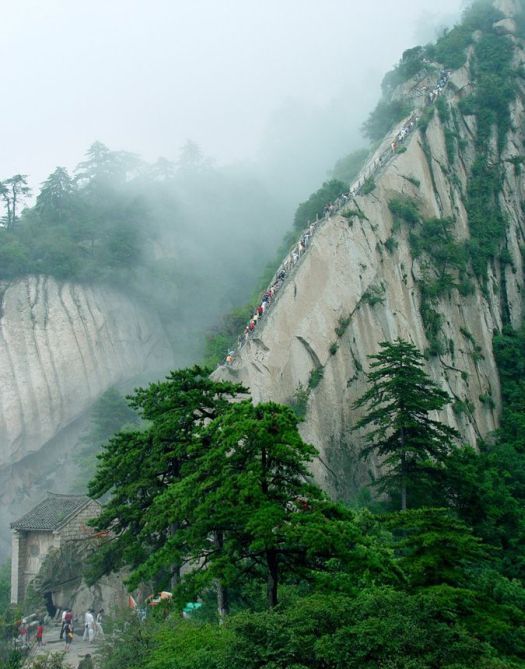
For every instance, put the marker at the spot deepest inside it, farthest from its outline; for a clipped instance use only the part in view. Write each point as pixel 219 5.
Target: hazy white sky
pixel 145 75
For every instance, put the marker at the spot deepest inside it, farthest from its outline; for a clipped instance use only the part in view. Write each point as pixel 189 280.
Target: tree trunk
pixel 403 483
pixel 272 582
pixel 9 214
pixel 13 213
pixel 223 605
pixel 175 576
pixel 403 472
pixel 175 568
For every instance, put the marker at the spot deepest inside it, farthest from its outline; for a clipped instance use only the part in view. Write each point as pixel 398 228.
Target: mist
pixel 232 76
pixel 270 96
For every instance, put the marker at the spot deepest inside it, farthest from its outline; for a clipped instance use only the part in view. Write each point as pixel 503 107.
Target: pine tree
pixel 137 466
pixel 13 192
pixel 244 508
pixel 251 483
pixel 409 442
pixel 104 167
pixel 56 198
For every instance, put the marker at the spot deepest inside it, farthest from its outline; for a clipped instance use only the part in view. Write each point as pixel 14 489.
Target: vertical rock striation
pixel 361 282
pixel 61 346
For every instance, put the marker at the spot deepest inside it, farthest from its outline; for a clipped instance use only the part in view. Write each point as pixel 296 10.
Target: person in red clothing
pixel 68 634
pixel 69 616
pixel 39 634
pixel 22 633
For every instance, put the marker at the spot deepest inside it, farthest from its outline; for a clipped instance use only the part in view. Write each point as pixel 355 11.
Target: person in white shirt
pixel 89 626
pixel 63 624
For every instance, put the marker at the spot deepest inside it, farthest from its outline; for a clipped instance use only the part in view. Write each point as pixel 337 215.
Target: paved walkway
pixel 52 644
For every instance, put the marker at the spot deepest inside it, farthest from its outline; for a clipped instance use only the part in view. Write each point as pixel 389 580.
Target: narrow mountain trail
pixel 53 644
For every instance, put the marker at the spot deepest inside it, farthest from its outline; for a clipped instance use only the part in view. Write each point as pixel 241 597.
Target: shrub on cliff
pixel 314 207
pixel 384 117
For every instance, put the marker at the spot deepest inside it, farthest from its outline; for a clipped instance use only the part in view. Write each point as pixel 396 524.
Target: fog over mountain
pixel 246 81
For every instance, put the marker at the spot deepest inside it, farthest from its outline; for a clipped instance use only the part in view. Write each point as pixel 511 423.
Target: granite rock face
pixel 352 261
pixel 61 346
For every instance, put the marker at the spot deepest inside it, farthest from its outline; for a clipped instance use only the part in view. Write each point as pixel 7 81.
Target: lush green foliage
pixel 84 228
pixel 347 168
pixel 439 585
pixel 108 415
pixel 425 588
pixel 412 62
pixel 495 89
pixel 137 466
pixel 439 626
pixel 384 117
pixel 408 442
pixel 404 210
pixel 369 185
pixel 314 207
pixel 487 489
pixel 451 47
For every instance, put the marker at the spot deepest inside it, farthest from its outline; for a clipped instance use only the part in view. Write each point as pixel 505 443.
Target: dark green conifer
pixel 409 443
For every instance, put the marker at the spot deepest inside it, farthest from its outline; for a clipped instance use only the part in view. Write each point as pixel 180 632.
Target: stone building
pixel 55 521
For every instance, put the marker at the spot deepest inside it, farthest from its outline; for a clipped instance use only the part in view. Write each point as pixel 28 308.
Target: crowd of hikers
pixel 92 626
pixel 31 629
pixel 332 208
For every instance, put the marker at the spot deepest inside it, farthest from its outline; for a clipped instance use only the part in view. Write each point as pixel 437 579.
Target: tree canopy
pixel 220 483
pixel 408 441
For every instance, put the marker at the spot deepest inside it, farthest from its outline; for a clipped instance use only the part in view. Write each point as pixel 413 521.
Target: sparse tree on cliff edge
pixel 13 192
pixel 56 199
pixel 398 403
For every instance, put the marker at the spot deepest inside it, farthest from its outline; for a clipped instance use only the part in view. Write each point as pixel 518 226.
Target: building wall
pixel 35 546
pixel 77 527
pixel 32 547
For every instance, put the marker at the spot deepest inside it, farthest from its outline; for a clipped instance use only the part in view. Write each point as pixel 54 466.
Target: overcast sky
pixel 146 75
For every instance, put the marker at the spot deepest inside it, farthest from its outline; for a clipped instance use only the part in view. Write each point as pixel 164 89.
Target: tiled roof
pixel 51 513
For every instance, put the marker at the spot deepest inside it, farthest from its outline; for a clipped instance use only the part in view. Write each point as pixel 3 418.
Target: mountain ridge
pixel 385 250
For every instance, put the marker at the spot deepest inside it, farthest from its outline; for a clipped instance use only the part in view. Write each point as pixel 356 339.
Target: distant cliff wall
pixel 61 346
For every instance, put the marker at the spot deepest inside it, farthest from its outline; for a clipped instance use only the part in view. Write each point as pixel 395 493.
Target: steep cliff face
pixel 368 277
pixel 61 346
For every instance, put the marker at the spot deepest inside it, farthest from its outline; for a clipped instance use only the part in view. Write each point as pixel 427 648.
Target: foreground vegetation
pixel 296 578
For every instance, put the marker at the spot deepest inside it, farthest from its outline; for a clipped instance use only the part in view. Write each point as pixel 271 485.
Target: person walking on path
pixel 89 626
pixel 64 613
pixel 68 634
pixel 67 617
pixel 39 634
pixel 99 630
